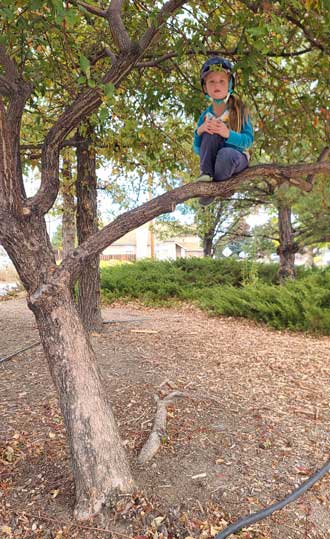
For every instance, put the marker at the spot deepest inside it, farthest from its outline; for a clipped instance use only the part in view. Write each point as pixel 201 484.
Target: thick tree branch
pixel 117 27
pixel 166 203
pixel 9 65
pixel 7 88
pixel 10 194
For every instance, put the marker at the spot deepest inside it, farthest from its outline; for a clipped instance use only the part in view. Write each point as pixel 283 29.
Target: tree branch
pixel 72 265
pixel 306 33
pixel 9 65
pixel 158 432
pixel 155 61
pixel 7 88
pixel 86 103
pixel 324 156
pixel 10 192
pixel 91 9
pixel 117 27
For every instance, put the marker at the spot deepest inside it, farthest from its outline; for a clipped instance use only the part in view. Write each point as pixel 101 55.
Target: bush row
pixel 227 287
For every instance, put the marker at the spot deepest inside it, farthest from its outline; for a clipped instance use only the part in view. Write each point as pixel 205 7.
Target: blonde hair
pixel 238 113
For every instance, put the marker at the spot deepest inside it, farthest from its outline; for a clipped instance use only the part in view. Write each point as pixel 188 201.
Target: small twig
pixel 124 321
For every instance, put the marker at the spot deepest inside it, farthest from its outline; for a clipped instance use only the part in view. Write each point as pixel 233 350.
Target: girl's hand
pixel 206 127
pixel 220 128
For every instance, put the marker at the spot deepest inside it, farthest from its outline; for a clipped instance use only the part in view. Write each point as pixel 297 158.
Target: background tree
pixel 87 224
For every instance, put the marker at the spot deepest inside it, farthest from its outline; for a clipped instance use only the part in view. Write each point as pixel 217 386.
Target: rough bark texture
pixel 89 281
pixel 69 210
pixel 287 248
pixel 100 466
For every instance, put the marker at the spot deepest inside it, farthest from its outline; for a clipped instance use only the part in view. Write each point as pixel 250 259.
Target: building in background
pixel 144 243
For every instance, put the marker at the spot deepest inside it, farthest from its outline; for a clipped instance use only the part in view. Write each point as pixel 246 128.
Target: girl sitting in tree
pixel 224 131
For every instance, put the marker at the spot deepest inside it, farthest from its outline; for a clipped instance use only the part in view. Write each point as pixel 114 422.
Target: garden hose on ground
pixel 14 354
pixel 260 515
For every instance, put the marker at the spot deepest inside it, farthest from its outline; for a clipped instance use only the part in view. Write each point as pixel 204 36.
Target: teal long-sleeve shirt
pixel 239 141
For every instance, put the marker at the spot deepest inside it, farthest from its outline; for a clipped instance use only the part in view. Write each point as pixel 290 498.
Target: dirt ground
pixel 253 425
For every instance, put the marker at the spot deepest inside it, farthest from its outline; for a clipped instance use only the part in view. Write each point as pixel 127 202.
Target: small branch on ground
pixel 158 432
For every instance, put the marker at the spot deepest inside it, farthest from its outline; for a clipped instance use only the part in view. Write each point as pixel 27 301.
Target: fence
pixel 125 257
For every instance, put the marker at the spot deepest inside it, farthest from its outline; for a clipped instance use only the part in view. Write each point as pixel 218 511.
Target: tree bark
pixel 208 244
pixel 69 210
pixel 100 465
pixel 287 248
pixel 89 282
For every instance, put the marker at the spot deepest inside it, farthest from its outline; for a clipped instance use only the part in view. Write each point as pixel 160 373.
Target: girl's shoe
pixel 205 201
pixel 204 178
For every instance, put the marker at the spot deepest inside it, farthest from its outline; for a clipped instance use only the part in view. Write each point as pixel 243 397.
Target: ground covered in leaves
pixel 253 424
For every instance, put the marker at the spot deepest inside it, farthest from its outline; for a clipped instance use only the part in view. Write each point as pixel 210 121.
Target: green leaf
pixel 36 4
pixel 103 114
pixel 109 90
pixel 85 65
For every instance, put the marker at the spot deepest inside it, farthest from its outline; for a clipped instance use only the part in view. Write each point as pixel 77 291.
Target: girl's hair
pixel 238 113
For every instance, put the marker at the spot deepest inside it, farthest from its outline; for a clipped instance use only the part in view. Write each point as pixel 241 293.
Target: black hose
pixel 2 359
pixel 260 515
pixel 19 352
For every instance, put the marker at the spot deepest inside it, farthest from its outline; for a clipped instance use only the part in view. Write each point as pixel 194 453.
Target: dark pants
pixel 218 161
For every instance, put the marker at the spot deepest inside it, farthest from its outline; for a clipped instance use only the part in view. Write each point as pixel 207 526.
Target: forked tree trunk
pixel 287 248
pixel 89 282
pixel 100 465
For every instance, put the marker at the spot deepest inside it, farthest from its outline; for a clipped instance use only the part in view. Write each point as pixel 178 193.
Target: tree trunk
pixel 68 215
pixel 208 244
pixel 100 465
pixel 89 282
pixel 287 248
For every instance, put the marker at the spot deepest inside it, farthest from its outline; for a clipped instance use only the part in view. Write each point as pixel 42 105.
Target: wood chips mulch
pixel 255 423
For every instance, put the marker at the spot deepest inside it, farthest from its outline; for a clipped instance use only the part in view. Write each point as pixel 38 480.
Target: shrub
pixel 227 287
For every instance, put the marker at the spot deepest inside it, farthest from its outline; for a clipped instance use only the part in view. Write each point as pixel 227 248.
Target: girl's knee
pixel 229 162
pixel 212 140
pixel 227 155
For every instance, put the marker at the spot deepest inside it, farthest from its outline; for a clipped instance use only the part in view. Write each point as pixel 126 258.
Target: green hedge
pixel 227 287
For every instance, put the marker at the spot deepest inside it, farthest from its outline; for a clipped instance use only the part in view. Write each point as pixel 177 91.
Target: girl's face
pixel 216 84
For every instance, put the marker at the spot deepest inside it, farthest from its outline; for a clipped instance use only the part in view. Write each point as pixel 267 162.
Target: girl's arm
pixel 244 139
pixel 197 137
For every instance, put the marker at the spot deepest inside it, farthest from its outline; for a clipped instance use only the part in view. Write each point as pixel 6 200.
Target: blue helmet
pixel 216 63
